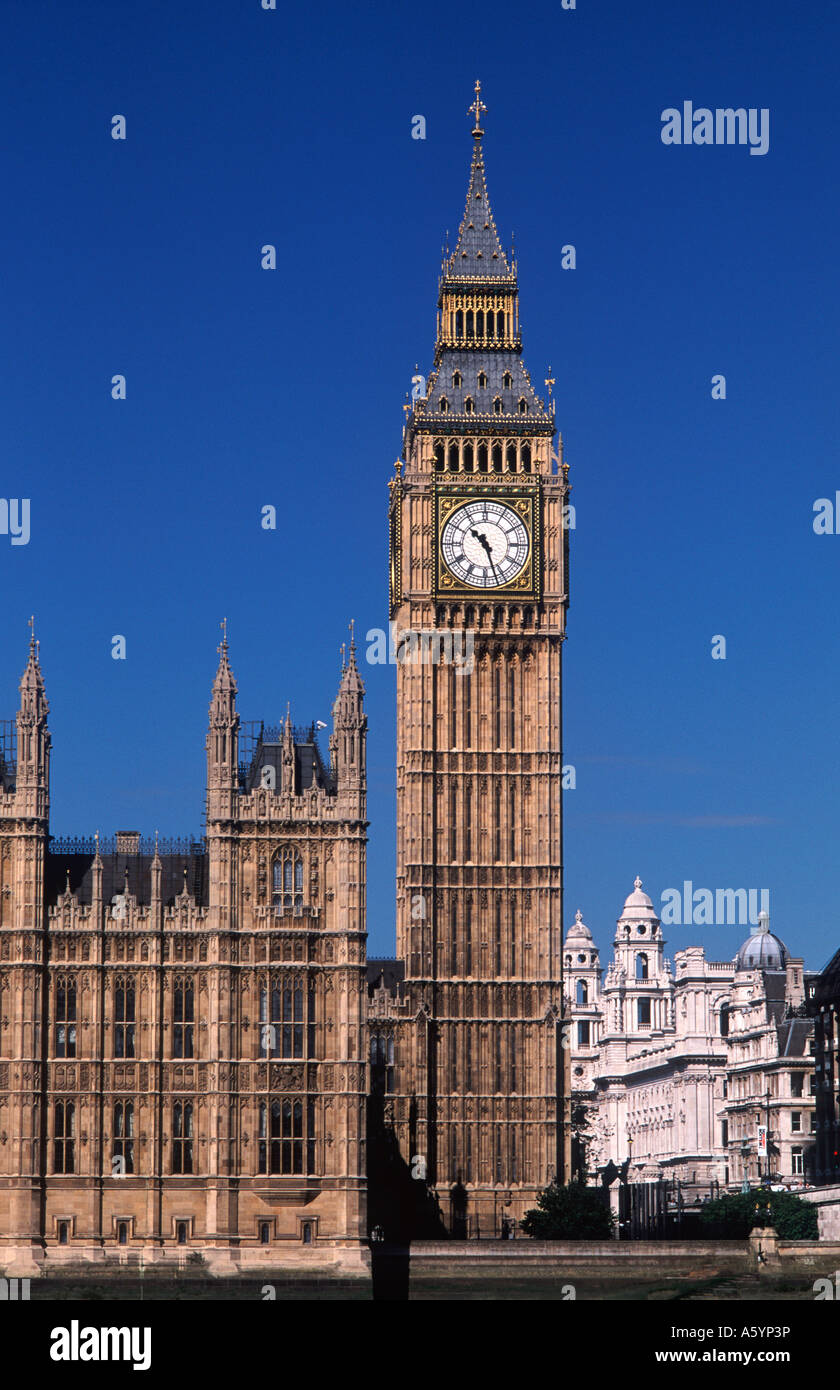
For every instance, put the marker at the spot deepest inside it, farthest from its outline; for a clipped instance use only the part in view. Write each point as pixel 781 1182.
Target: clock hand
pixel 482 540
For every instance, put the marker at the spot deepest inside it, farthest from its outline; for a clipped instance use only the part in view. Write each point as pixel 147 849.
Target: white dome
pixel 579 934
pixel 638 904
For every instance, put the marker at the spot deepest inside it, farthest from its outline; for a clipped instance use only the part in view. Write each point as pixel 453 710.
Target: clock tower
pixel 479 589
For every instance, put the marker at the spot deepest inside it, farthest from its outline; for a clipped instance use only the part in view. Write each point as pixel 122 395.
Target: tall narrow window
pixel 497 953
pixel 469 323
pixel 182 1136
pixel 292 1137
pixel 453 817
pixel 479 323
pixel 581 993
pixel 64 1132
pixel 65 1019
pixel 497 822
pixel 382 1063
pixel 124 1019
pixel 482 455
pixel 183 1019
pixel 512 937
pixel 512 708
pixel 453 713
pixel 641 966
pixel 497 701
pixel 468 1059
pixel 497 448
pixel 514 1170
pixel 514 1082
pixel 498 1059
pixel 512 819
pixel 510 455
pixel 124 1135
pixel 459 323
pixel 454 458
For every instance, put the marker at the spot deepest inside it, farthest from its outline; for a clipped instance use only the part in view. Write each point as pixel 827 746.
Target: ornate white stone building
pixel 677 1069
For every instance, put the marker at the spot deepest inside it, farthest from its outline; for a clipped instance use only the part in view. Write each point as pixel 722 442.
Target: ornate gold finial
pixel 549 381
pixel 352 626
pixel 343 650
pixel 476 109
pixel 223 645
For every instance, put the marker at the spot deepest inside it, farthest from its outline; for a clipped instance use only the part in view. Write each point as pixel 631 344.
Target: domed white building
pixel 677 1069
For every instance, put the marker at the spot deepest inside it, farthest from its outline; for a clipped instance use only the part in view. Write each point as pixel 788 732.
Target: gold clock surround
pixel 525 501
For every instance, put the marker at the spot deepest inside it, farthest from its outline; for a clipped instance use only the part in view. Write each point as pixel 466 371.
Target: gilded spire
pixel 476 110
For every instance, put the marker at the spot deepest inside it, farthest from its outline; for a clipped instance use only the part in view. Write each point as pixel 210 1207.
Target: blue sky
pixel 247 388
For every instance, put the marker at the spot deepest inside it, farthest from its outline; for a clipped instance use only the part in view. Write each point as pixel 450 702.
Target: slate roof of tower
pixel 470 362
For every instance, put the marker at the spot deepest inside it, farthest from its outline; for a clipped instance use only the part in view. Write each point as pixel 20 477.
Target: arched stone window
pixel 581 992
pixel 641 966
pixel 444 405
pixel 456 378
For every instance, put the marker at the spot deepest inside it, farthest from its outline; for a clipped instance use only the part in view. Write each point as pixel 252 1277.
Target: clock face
pixel 485 543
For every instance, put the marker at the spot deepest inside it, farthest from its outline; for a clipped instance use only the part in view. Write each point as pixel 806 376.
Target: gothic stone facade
pixel 182 1061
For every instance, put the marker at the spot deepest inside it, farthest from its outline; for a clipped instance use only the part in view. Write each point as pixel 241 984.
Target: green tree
pixel 734 1216
pixel 569 1213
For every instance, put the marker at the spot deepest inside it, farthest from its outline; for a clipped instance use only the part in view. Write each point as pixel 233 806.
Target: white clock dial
pixel 485 544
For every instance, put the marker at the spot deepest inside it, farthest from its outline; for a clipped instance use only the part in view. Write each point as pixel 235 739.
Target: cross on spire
pixel 476 109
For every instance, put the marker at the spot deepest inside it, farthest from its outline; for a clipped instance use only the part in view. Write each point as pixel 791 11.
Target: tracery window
pixel 286 1136
pixel 124 1019
pixel 288 879
pixel 287 1018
